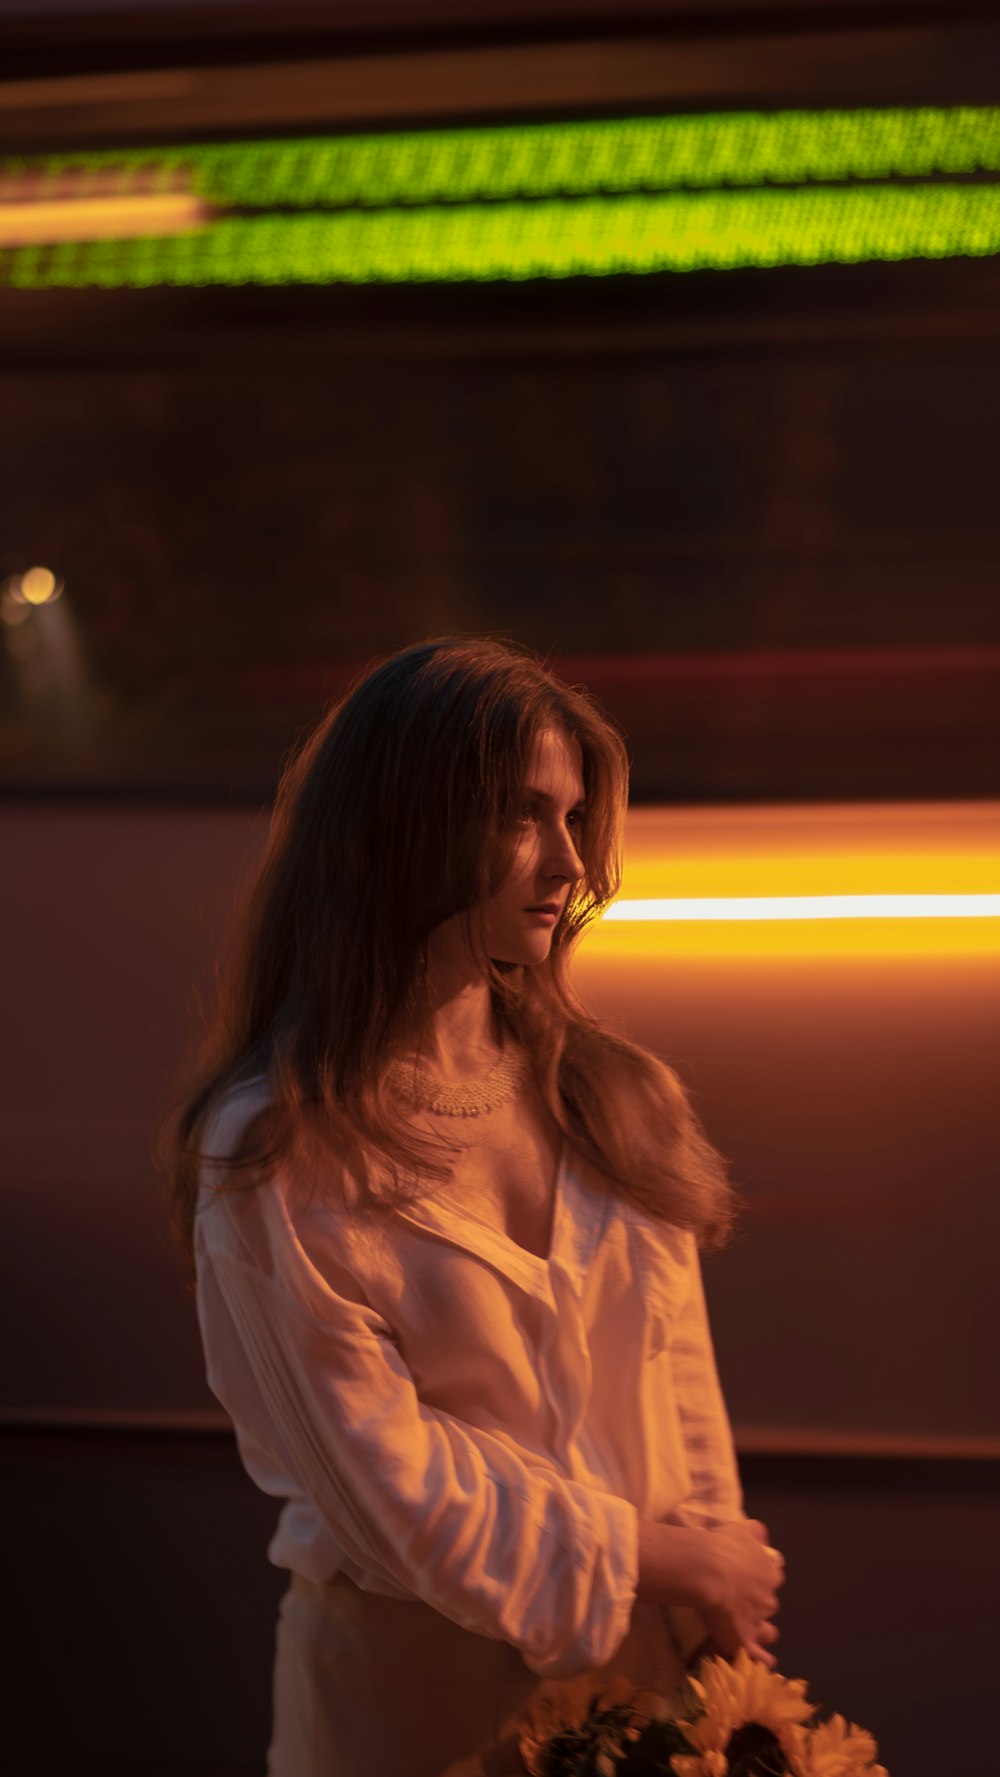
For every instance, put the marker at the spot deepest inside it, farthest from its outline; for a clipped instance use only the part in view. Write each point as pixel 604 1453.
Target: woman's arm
pixel 716 1496
pixel 730 1576
pixel 674 1565
pixel 494 1539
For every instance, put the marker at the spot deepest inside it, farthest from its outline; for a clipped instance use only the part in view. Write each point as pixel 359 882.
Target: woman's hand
pixel 730 1575
pixel 741 1590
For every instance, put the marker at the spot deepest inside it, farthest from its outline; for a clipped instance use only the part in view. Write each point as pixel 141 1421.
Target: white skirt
pixel 368 1686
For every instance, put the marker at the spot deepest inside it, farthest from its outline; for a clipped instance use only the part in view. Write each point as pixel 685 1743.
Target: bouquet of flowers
pixel 731 1719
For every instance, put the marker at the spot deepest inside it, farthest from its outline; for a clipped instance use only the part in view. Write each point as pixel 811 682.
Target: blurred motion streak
pixel 581 237
pixel 812 907
pixel 558 198
pixel 559 159
pixel 868 880
pixel 92 219
pixel 42 204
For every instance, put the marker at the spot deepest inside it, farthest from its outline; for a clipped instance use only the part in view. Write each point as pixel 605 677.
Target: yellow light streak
pixel 641 943
pixel 801 882
pixel 738 907
pixel 25 224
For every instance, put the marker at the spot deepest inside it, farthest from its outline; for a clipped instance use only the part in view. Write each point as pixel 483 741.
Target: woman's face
pixel 546 862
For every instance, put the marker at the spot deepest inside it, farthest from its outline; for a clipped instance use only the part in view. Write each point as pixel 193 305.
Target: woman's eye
pixel 530 811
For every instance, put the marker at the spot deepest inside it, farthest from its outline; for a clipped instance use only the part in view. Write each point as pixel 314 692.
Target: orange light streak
pixel 24 224
pixel 803 881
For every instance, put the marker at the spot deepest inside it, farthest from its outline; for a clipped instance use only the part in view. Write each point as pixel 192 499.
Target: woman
pixel 445 1228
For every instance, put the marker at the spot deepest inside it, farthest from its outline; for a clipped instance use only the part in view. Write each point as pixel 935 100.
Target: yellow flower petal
pixel 566 1704
pixel 558 1705
pixel 839 1748
pixel 745 1690
pixel 706 1764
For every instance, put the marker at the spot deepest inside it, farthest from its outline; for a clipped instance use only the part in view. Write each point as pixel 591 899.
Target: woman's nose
pixel 564 860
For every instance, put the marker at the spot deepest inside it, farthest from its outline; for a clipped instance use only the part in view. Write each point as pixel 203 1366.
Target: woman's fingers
pixel 757 1652
pixel 752 1576
pixel 756 1648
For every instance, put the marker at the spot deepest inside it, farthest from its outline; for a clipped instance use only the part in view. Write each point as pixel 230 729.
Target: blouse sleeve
pixel 486 1534
pixel 716 1496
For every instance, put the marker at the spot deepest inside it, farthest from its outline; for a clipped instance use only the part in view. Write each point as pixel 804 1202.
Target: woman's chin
pixel 528 951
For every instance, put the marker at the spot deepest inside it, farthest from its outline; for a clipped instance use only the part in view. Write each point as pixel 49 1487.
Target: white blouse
pixel 453 1419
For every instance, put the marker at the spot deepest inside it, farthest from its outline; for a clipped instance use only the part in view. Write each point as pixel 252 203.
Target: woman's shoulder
pixel 278 1179
pixel 220 1144
pixel 284 1221
pixel 230 1114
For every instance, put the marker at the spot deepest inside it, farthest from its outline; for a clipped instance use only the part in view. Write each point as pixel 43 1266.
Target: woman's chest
pixel 569 1358
pixel 507 1179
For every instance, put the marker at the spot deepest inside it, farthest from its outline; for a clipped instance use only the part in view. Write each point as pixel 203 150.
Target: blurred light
pixel 804 882
pixel 597 237
pixel 14 609
pixel 555 159
pixel 39 586
pixel 731 941
pixel 90 219
pixel 812 907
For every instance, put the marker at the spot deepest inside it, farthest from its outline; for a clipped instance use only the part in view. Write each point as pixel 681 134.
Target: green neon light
pixel 572 159
pixel 586 237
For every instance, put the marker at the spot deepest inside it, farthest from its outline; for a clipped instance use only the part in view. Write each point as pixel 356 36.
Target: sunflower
pixel 735 1719
pixel 839 1748
pixel 745 1710
pixel 700 1764
pixel 570 1718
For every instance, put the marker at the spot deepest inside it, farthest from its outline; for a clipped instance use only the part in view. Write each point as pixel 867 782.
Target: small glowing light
pixel 740 907
pixel 39 586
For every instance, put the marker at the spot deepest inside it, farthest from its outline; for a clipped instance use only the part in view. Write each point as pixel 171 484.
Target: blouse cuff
pixel 609 1560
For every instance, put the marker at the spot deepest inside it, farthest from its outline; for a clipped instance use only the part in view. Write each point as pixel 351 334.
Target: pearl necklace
pixel 503 1082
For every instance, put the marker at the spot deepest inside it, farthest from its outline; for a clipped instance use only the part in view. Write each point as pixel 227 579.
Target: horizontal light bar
pixel 101 218
pixel 562 159
pixel 583 237
pixel 743 907
pixel 853 885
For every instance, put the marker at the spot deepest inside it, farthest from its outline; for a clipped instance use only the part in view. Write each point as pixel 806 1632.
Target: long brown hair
pixel 395 812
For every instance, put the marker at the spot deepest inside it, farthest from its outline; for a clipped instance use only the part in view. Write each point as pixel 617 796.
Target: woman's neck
pixel 462 1037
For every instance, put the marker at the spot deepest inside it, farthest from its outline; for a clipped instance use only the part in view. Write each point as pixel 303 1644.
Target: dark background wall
pixel 853 1314
pixel 754 511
